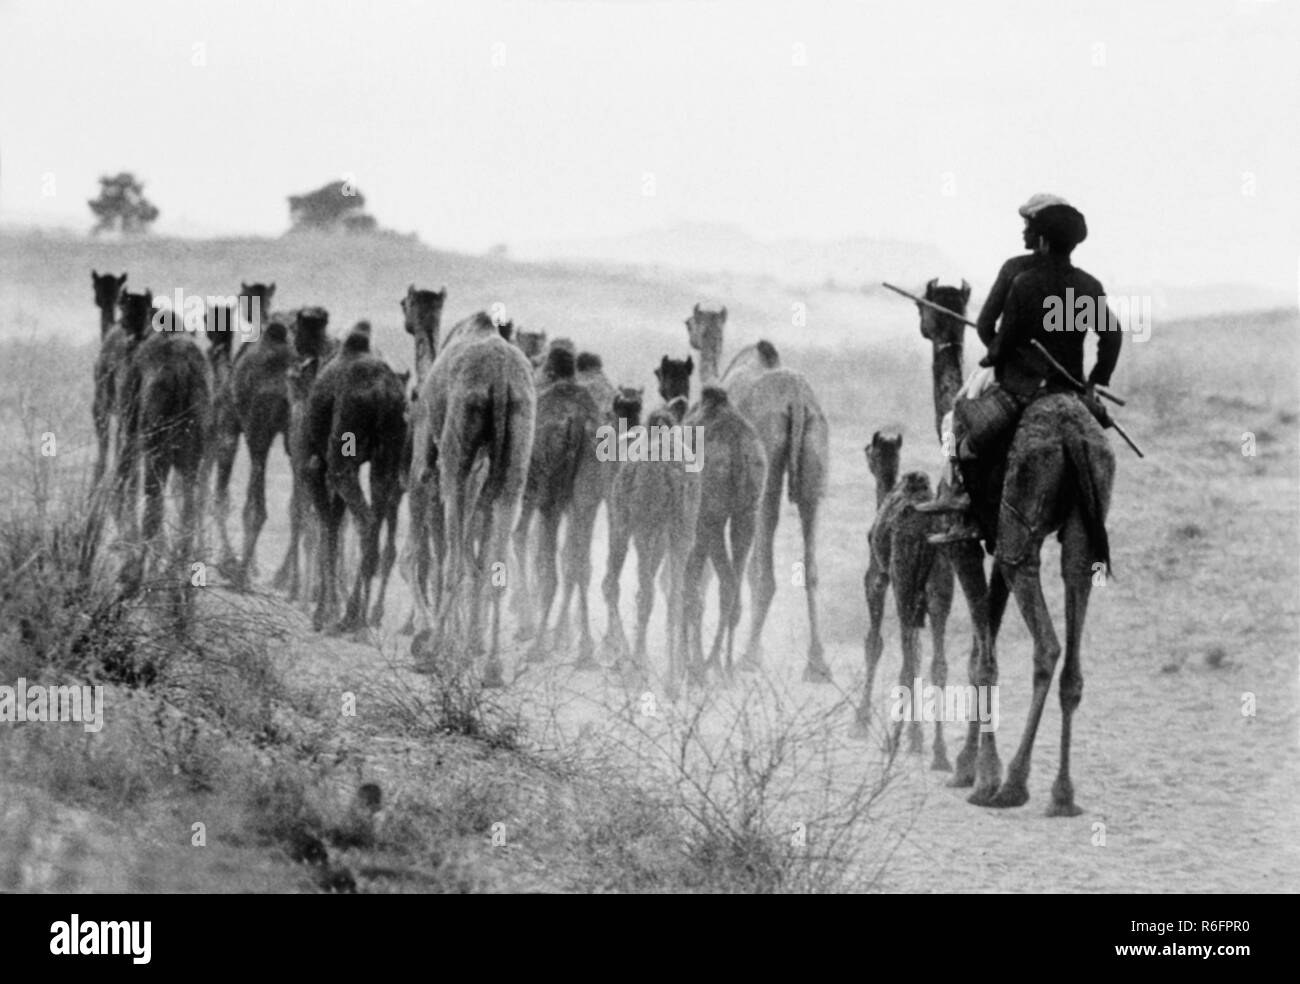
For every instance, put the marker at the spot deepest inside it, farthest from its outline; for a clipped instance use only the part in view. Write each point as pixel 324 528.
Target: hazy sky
pixel 1174 126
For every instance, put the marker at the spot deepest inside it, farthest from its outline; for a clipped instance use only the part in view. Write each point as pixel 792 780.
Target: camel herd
pixel 495 452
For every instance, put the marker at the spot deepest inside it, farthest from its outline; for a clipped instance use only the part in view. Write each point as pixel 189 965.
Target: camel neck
pixel 426 349
pixel 105 321
pixel 710 357
pixel 948 375
pixel 884 485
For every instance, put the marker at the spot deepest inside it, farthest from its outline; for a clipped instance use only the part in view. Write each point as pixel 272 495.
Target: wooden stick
pixel 1079 387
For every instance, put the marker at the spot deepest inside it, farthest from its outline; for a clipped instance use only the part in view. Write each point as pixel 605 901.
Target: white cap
pixel 1039 202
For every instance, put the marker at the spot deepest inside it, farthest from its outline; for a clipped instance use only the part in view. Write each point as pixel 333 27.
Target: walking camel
pixel 731 488
pixel 901 555
pixel 356 415
pixel 653 505
pixel 473 441
pixel 110 366
pixel 1058 479
pixel 564 482
pixel 781 405
pixel 165 405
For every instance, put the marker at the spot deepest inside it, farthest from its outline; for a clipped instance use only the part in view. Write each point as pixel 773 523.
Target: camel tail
pixel 808 440
pixel 1089 498
pixel 501 437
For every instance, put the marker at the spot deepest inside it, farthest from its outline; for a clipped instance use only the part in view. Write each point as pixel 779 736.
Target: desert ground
pixel 1186 744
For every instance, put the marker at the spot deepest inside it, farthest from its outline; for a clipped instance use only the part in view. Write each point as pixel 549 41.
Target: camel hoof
pixel 861 727
pixel 419 643
pixel 817 673
pixel 940 762
pixel 963 778
pixel 1068 809
pixel 492 676
pixel 983 795
pixel 1009 796
pixel 614 647
pixel 377 617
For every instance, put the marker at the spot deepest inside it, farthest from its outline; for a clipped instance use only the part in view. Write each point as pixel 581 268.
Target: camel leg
pixel 1028 591
pixel 227 447
pixel 254 506
pixel 816 671
pixel 875 584
pixel 327 590
pixel 679 548
pixel 977 763
pixel 649 555
pixel 415 558
pixel 287 576
pixel 521 593
pixel 938 592
pixel 392 496
pixel 1076 559
pixel 496 551
pixel 547 541
pixel 577 578
pixel 191 520
pixel 742 538
pixel 101 409
pixel 615 642
pixel 693 605
pixel 346 479
pixel 714 543
pixel 762 577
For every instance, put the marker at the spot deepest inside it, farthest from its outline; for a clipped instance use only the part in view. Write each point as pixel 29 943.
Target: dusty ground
pixel 1181 791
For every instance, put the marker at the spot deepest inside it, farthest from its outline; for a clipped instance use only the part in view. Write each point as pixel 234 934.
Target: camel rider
pixel 986 327
pixel 1055 304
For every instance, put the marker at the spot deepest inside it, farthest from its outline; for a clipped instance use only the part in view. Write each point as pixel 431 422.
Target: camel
pixel 1057 479
pixel 165 406
pixel 532 344
pixel 901 554
pixel 781 405
pixel 653 505
pixel 110 365
pixel 473 442
pixel 312 349
pixel 731 488
pixel 355 415
pixel 564 482
pixel 591 376
pixel 256 407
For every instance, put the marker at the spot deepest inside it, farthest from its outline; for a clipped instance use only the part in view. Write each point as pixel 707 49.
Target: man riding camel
pixel 1042 303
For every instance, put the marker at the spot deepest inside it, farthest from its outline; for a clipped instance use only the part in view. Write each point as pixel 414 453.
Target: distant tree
pixel 121 205
pixel 337 205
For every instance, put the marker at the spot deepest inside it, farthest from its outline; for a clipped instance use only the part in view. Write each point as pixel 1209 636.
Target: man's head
pixel 1059 229
pixel 1029 212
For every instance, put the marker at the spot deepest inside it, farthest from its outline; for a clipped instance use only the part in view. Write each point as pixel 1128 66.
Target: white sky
pixel 1151 117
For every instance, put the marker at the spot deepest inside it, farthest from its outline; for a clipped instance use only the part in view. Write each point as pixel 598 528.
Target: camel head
pixel 704 329
pixel 506 329
pixel 422 310
pixel 559 363
pixel 882 457
pixel 309 326
pixel 108 289
pixel 532 344
pixel 589 362
pixel 219 324
pixel 940 328
pixel 674 377
pixel 628 403
pixel 137 313
pixel 264 293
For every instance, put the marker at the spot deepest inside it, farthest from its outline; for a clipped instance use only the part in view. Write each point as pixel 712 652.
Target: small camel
pixel 731 487
pixel 473 442
pixel 564 482
pixel 901 555
pixel 654 505
pixel 781 405
pixel 110 366
pixel 165 406
pixel 356 415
